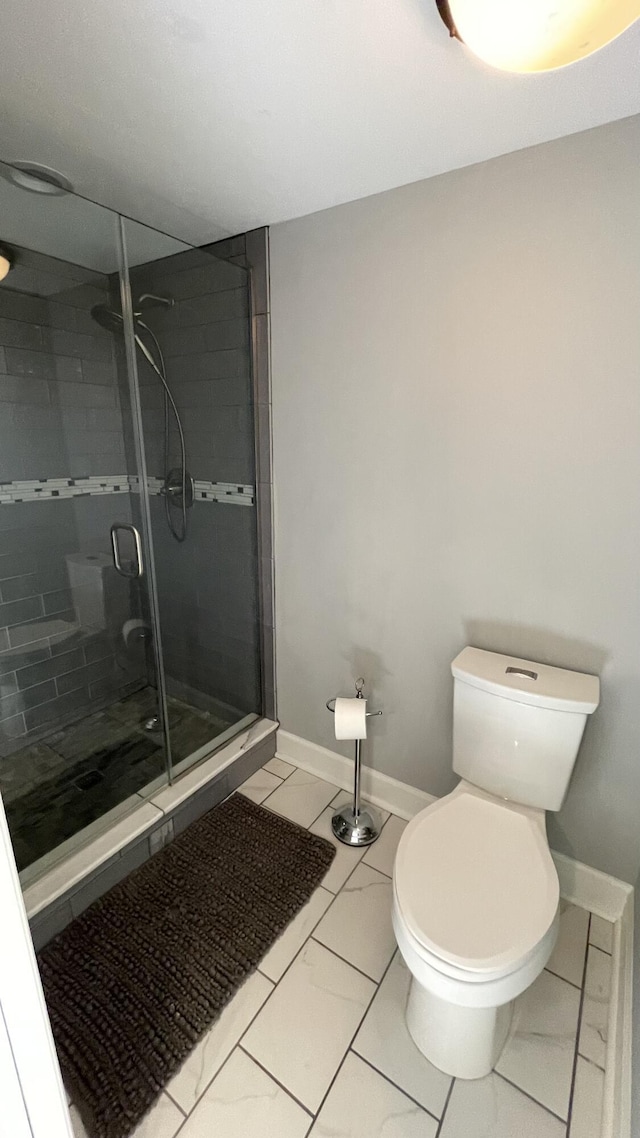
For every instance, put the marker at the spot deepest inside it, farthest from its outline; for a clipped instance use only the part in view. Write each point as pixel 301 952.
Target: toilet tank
pixel 517 725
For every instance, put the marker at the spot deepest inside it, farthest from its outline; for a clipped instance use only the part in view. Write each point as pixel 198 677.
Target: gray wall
pixel 60 417
pixel 456 405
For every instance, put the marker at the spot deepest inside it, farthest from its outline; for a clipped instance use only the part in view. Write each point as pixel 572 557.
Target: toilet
pixel 475 889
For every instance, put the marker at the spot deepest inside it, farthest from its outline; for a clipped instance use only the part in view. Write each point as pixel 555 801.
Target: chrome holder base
pixel 355 829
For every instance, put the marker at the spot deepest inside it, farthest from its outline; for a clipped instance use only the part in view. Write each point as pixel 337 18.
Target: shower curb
pixel 68 888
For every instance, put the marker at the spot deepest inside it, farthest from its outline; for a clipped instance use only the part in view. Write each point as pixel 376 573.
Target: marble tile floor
pixel 314 1044
pixel 56 787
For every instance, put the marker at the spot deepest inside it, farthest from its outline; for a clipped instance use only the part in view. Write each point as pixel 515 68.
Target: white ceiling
pixel 207 117
pixel 75 230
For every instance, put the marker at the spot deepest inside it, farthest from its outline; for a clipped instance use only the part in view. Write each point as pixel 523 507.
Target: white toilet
pixel 475 897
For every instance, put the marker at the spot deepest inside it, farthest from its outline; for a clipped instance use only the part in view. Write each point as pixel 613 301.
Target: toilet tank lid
pixel 527 682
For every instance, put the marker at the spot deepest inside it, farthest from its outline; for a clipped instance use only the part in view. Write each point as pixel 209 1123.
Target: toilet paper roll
pixel 133 631
pixel 350 718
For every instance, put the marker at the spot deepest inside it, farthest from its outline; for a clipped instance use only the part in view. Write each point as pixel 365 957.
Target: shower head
pixel 107 318
pixel 152 300
pixel 111 320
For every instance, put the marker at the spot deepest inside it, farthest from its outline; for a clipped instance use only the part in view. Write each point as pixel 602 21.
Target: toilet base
pixel 461 1041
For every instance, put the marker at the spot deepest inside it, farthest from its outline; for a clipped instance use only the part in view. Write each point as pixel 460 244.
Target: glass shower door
pixel 82 729
pixel 191 324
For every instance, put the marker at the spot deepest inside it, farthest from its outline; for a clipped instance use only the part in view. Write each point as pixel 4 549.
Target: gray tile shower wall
pixel 205 341
pixel 59 418
pixel 54 666
pixel 58 391
pixel 208 595
pixel 209 624
pixel 251 251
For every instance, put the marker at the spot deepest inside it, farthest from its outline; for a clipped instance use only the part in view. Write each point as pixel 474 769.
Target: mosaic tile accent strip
pixel 224 492
pixel 233 493
pixel 38 488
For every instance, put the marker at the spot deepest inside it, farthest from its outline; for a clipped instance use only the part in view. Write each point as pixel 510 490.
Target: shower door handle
pixel 131 569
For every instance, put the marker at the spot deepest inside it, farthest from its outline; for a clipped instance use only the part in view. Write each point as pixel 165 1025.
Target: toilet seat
pixel 475 885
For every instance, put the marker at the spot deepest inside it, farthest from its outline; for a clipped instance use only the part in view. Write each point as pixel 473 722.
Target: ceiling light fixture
pixel 37 179
pixel 6 261
pixel 536 35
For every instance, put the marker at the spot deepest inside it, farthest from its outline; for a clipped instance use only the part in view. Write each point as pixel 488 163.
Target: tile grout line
pixel 308 937
pixel 343 958
pixel 289 966
pixel 319 815
pixel 171 1099
pixel 236 1044
pixel 563 978
pixel 576 1054
pixel 200 1098
pixel 353 1037
pixel 527 1094
pixel 313 820
pixel 596 1066
pixel 344 883
pixel 239 1047
pixel 445 1108
pixel 272 791
pixel 352 1051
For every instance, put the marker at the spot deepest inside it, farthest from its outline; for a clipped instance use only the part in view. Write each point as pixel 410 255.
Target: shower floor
pixel 56 787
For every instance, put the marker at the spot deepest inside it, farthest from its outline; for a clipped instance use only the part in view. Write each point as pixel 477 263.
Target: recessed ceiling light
pixel 37 179
pixel 536 35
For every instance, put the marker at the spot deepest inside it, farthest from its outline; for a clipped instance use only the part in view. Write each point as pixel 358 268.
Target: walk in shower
pixel 129 622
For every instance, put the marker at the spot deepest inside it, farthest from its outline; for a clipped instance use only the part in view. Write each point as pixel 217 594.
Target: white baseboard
pixel 591 889
pixel 616 1107
pixel 584 886
pixel 379 789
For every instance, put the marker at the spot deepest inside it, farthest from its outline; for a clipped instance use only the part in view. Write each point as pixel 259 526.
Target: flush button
pixel 522 672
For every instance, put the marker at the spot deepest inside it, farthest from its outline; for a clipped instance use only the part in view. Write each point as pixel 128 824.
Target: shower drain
pixel 86 781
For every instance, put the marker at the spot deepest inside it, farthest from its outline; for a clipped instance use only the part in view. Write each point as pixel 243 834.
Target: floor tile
pixel 382 853
pixel 568 957
pixel 384 1040
pixel 601 933
pixel 588 1093
pixel 279 767
pixel 279 957
pixel 539 1053
pixel 595 1010
pixel 302 797
pixel 347 857
pixel 259 785
pixel 362 1104
pixel 163 1121
pixel 205 1060
pixel 302 1032
pixel 358 924
pixel 491 1108
pixel 241 1101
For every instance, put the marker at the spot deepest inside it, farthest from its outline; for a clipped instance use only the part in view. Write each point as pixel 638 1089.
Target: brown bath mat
pixel 137 979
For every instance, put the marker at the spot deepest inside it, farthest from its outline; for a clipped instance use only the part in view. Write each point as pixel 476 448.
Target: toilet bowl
pixel 475 889
pixel 475 915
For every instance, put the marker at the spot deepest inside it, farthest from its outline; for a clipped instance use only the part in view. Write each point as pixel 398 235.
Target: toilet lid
pixel 475 882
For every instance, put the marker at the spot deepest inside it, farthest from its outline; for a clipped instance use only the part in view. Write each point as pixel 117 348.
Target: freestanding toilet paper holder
pixel 351 824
